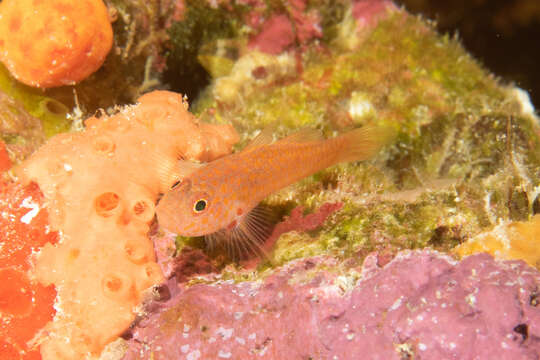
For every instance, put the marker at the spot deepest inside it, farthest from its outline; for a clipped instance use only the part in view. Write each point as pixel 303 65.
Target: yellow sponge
pixel 515 240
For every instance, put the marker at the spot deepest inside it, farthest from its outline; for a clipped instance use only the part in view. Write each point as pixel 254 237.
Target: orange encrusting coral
pixel 25 306
pixel 516 240
pixel 5 162
pixel 48 43
pixel 101 185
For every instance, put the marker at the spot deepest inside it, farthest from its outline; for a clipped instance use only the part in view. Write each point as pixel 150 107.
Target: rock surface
pixel 422 304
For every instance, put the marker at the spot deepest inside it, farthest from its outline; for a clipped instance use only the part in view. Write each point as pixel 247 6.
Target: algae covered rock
pixel 465 156
pixel 27 119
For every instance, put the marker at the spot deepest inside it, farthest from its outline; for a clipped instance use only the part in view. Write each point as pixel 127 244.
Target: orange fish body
pixel 222 196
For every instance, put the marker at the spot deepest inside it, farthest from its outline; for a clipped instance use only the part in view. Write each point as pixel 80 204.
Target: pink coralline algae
pixel 368 12
pixel 280 31
pixel 276 35
pixel 297 221
pixel 422 304
pixel 307 23
pixel 300 25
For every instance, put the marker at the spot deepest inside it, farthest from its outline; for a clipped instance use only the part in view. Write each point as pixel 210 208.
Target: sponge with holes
pixel 101 186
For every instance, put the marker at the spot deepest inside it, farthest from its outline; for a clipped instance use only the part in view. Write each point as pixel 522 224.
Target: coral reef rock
pixel 422 304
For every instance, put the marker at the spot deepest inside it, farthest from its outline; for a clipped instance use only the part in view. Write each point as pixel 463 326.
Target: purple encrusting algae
pixel 422 304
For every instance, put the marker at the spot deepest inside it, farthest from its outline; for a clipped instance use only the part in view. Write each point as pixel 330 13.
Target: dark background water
pixel 503 34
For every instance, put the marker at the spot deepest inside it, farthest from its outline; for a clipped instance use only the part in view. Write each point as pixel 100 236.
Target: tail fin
pixel 363 143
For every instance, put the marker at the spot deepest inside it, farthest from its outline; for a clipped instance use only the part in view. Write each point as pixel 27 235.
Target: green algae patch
pixel 52 113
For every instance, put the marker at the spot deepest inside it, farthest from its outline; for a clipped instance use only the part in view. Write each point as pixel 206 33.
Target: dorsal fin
pixel 187 168
pixel 265 137
pixel 363 143
pixel 173 172
pixel 303 135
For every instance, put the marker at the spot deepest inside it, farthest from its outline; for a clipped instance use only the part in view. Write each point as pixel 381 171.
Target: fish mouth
pixel 166 218
pixel 171 221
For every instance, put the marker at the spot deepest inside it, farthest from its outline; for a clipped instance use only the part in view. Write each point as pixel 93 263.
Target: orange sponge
pixel 25 305
pixel 48 43
pixel 5 162
pixel 101 187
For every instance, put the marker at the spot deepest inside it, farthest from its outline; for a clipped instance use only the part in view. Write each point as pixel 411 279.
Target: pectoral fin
pixel 245 238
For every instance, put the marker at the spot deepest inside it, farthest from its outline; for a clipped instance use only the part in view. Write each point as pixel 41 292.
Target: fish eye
pixel 199 206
